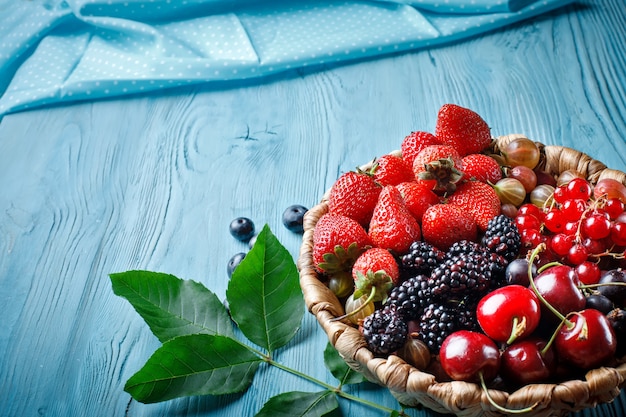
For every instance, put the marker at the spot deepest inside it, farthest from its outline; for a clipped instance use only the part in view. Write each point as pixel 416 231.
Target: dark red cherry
pixel 528 361
pixel 586 339
pixel 466 355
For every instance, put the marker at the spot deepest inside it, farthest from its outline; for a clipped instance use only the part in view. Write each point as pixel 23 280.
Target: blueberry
pixel 251 241
pixel 599 302
pixel 242 228
pixel 234 262
pixel 293 217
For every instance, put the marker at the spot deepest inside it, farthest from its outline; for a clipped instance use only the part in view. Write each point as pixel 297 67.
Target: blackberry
pixel 440 320
pixel 495 263
pixel 385 331
pixel 422 258
pixel 410 297
pixel 465 247
pixel 503 237
pixel 460 276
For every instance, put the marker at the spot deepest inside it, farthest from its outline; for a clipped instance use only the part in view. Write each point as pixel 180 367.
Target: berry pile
pixel 453 241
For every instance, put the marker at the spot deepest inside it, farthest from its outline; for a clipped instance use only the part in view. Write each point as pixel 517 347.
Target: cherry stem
pixel 545 302
pixel 500 408
pixel 359 308
pixel 548 265
pixel 598 285
pixel 517 329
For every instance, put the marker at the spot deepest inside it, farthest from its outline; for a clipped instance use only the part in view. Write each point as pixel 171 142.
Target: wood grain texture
pixel 152 182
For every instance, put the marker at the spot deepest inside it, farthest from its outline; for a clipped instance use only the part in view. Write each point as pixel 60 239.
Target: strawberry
pixel 392 170
pixel 439 166
pixel 462 129
pixel 418 196
pixel 354 194
pixel 479 200
pixel 445 224
pixel 375 272
pixel 393 226
pixel 415 142
pixel 481 167
pixel 337 242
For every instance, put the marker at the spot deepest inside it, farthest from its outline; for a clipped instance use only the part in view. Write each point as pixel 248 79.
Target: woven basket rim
pixel 413 386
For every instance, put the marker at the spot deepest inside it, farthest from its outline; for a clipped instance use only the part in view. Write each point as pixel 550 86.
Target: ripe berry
pixel 293 217
pixel 234 262
pixel 469 356
pixel 578 188
pixel 596 226
pixel 242 229
pixel 384 331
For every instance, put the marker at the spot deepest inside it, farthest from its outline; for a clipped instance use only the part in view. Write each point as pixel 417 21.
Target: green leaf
pixel 197 364
pixel 300 404
pixel 171 306
pixel 339 368
pixel 264 294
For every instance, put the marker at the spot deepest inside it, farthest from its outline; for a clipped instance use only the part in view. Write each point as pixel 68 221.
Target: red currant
pixel 529 208
pixel 588 272
pixel 525 222
pixel 561 243
pixel 579 188
pixel 614 207
pixel 618 233
pixel 573 209
pixel 571 228
pixel 554 220
pixel 596 226
pixel 577 254
pixel 560 194
pixel 531 237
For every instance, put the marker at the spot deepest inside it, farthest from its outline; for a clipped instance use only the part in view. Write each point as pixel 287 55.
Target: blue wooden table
pixel 152 182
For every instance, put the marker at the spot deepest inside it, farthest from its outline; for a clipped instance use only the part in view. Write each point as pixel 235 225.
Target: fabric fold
pixel 62 51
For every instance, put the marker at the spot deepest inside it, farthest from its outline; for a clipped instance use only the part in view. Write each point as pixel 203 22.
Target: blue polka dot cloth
pixel 54 51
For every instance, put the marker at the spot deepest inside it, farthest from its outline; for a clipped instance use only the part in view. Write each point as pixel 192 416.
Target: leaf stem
pixel 336 390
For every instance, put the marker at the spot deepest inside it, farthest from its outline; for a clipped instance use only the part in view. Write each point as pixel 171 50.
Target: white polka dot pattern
pixel 53 50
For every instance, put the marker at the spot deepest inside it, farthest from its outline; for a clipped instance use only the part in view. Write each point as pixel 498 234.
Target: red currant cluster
pixel 580 224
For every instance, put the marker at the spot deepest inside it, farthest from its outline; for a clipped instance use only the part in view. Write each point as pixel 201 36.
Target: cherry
pixel 471 356
pixel 586 339
pixel 528 361
pixel 558 286
pixel 466 355
pixel 508 313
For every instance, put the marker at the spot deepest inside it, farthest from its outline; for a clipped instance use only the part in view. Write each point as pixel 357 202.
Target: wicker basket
pixel 413 386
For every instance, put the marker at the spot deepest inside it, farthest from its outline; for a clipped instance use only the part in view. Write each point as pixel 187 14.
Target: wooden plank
pixel 153 182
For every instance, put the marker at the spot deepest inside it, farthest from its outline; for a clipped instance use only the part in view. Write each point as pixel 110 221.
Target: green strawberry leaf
pixel 300 404
pixel 264 294
pixel 197 364
pixel 171 306
pixel 339 368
